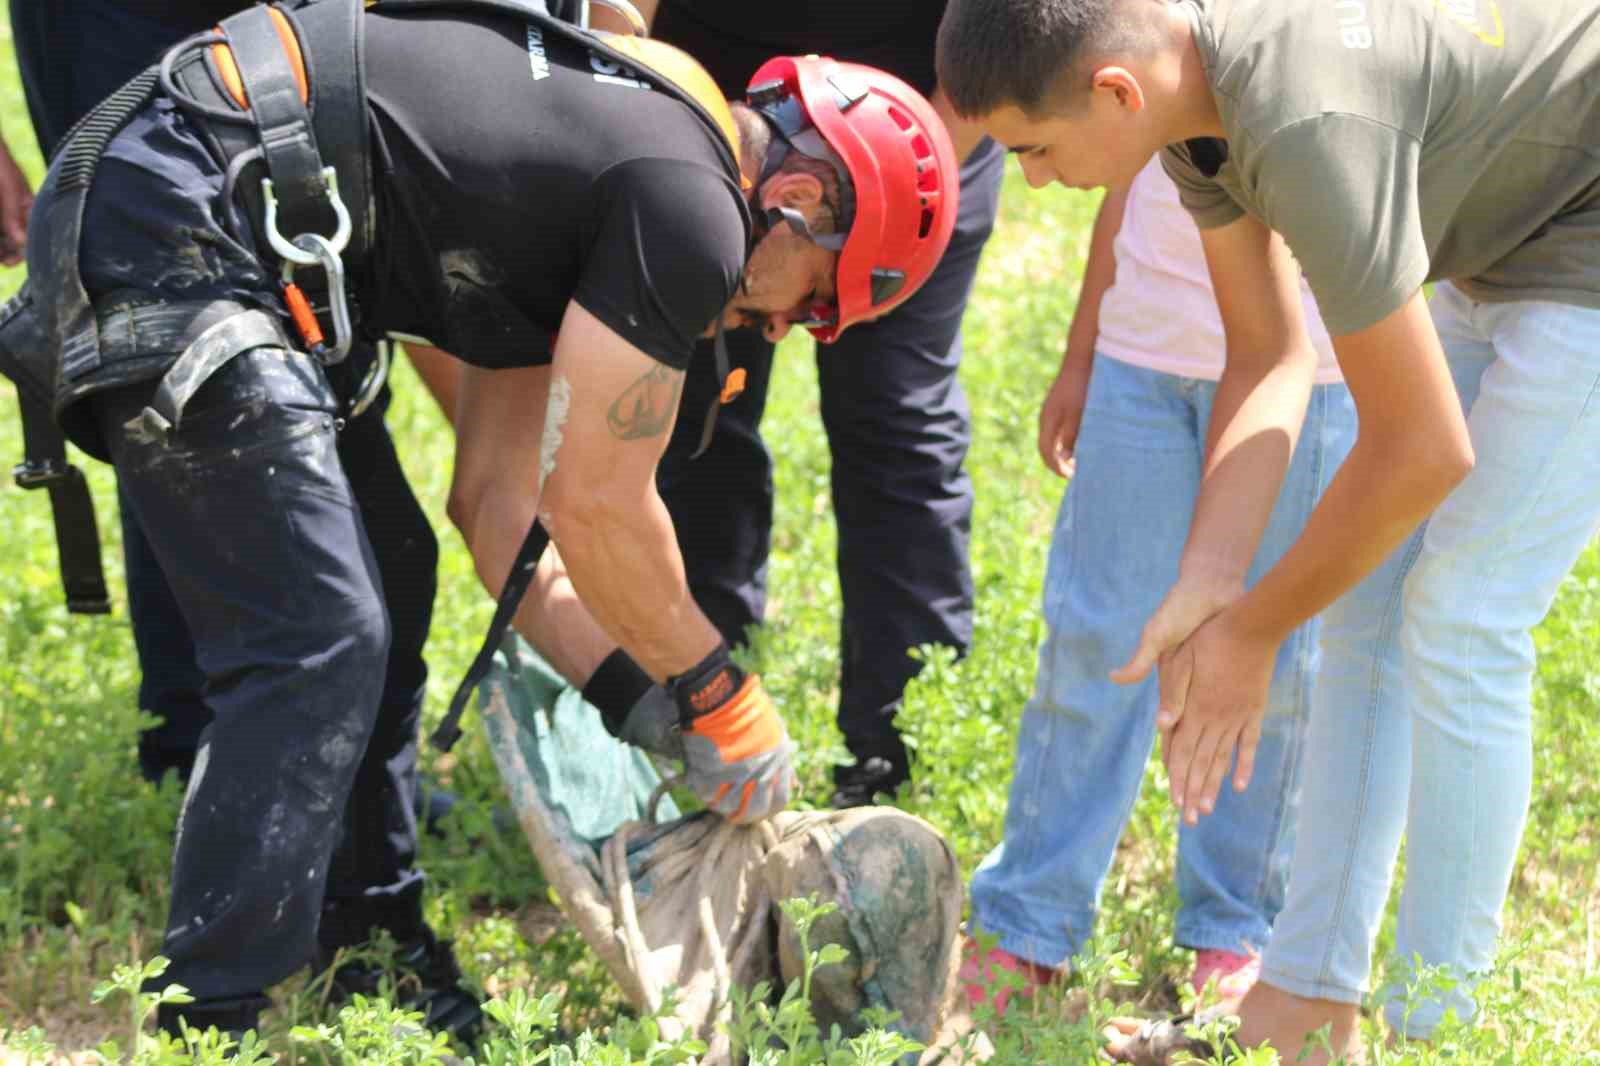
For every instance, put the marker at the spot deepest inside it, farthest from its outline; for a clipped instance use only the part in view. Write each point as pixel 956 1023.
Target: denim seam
pixel 1391 619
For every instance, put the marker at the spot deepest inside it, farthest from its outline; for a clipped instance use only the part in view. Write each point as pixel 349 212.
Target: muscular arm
pixel 577 443
pixel 600 502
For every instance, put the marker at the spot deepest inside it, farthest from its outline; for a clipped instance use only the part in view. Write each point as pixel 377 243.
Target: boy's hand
pixel 1062 414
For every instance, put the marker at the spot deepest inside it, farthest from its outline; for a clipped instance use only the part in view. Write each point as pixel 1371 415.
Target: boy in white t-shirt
pixel 1147 324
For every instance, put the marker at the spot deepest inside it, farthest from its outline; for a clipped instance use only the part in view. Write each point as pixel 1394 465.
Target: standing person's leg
pixel 1084 740
pixel 898 427
pixel 72 54
pixel 1493 556
pixel 721 503
pixel 251 516
pixel 1234 866
pixel 1318 966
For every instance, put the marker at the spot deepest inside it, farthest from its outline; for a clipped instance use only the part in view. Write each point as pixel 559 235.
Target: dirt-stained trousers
pixel 308 594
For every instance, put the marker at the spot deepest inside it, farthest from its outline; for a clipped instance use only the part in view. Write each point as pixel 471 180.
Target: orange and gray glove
pixel 737 753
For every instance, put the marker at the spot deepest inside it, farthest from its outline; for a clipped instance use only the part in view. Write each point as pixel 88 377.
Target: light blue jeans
pixel 1422 718
pixel 1084 741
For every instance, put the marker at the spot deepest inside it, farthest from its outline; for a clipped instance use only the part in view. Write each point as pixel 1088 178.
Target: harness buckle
pixel 41 473
pixel 291 251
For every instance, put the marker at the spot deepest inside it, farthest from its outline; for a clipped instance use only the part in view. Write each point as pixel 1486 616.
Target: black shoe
pixel 859 784
pixel 232 1018
pixel 432 805
pixel 426 979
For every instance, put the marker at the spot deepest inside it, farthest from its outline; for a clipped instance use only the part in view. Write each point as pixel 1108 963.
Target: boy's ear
pixel 1122 84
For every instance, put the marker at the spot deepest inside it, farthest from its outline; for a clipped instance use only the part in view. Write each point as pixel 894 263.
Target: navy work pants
pixel 898 427
pixel 304 570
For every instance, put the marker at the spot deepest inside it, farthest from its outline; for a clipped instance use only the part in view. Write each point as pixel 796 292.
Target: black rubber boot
pixel 426 979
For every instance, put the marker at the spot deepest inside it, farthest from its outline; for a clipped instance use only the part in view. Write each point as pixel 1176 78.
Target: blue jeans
pixel 1084 741
pixel 1423 720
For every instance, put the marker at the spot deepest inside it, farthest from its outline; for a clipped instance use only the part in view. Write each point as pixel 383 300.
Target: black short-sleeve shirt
pixel 516 173
pixel 734 37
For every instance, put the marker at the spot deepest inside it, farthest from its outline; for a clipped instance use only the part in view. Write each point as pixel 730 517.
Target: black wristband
pixel 706 685
pixel 616 685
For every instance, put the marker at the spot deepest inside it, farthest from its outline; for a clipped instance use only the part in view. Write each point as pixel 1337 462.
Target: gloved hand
pixel 652 724
pixel 737 753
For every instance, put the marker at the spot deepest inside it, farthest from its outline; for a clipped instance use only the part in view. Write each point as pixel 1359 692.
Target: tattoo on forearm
pixel 646 407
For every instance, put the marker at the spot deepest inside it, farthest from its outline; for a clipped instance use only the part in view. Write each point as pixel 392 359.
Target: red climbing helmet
pixel 902 168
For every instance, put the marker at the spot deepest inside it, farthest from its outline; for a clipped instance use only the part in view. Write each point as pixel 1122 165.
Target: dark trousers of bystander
pixel 72 54
pixel 898 427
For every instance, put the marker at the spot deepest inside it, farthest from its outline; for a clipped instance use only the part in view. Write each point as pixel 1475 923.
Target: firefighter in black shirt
pixel 897 420
pixel 566 215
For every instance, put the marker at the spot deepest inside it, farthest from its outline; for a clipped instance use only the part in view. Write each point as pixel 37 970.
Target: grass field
pixel 84 843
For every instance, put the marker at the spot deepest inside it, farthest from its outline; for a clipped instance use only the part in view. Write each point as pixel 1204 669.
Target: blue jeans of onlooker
pixel 1084 741
pixel 1422 721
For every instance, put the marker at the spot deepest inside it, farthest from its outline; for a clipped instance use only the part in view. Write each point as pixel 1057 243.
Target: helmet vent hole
pixel 926 227
pixel 928 181
pixel 901 119
pixel 920 147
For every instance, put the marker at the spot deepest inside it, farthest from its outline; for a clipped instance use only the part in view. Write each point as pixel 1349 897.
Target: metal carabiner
pixel 313 249
pixel 286 249
pixel 372 384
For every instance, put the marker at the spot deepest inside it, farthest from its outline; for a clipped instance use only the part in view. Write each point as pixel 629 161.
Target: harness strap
pixel 71 508
pixel 730 383
pixel 505 609
pixel 259 41
pixel 70 314
pixel 45 465
pixel 207 354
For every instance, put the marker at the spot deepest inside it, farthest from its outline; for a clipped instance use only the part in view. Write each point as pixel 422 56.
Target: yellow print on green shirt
pixel 1472 13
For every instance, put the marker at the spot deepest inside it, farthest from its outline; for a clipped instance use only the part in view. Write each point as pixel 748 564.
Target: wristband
pixel 707 685
pixel 615 688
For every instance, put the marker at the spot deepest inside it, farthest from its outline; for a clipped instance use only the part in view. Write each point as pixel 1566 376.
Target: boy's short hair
pixel 997 52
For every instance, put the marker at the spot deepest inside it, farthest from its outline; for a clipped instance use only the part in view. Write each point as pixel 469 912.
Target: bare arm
pixel 613 21
pixel 600 502
pixel 1411 449
pixel 1062 411
pixel 1255 421
pixel 441 376
pixel 577 444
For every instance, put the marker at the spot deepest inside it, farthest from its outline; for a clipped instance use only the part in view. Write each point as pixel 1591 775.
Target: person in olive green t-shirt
pixel 1376 145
